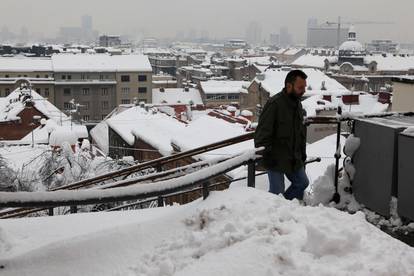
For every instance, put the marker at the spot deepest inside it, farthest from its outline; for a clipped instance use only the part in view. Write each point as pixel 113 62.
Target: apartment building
pixel 88 85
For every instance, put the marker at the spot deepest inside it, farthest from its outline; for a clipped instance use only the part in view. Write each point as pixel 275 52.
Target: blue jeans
pixel 298 179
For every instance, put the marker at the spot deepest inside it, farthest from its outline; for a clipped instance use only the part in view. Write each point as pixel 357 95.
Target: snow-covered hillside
pixel 240 231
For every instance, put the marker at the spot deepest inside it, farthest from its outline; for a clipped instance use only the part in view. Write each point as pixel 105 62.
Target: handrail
pixel 133 169
pixel 157 162
pixel 86 197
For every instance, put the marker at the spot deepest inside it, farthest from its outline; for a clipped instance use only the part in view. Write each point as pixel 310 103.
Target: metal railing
pixel 122 175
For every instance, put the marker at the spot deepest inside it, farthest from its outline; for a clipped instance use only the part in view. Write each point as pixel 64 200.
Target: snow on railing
pixel 84 197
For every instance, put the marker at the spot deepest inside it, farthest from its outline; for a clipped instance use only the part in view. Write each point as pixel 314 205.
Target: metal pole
pixel 337 198
pixel 160 201
pixel 32 138
pixel 205 190
pixel 251 177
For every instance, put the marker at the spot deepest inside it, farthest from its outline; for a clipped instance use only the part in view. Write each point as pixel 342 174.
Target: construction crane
pixel 339 23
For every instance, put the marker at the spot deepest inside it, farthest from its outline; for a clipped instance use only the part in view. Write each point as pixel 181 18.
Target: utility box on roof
pixel 406 176
pixel 376 161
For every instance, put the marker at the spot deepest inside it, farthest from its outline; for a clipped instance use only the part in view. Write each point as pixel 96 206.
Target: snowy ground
pixel 240 231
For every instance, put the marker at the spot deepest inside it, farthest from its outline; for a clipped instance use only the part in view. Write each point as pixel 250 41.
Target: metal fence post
pixel 251 174
pixel 160 201
pixel 73 209
pixel 206 192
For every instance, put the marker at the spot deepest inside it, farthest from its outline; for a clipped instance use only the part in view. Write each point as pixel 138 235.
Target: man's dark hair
pixel 293 75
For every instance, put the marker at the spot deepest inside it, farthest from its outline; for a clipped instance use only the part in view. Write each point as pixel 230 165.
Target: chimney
pixel 232 110
pixel 247 114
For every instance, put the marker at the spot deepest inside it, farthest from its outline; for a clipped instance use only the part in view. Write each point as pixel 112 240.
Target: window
pixel 125 101
pixel 85 91
pixel 82 76
pixel 67 105
pixel 215 97
pixel 104 91
pixel 67 92
pixel 101 77
pixel 105 105
pixel 69 77
pixel 7 91
pixel 125 90
pixel 125 78
pixel 85 117
pixel 7 76
pixel 142 90
pixel 37 76
pixel 46 76
pixel 38 91
pixel 233 96
pixel 85 105
pixel 63 77
pixel 142 78
pixel 46 92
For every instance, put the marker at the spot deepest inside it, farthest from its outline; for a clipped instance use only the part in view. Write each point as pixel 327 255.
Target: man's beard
pixel 295 96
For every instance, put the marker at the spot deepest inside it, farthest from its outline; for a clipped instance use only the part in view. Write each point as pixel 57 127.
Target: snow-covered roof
pixel 154 128
pixel 274 81
pixel 206 130
pixel 261 60
pixel 100 63
pixel 100 133
pixel 25 64
pixel 292 51
pixel 351 45
pixel 13 104
pixel 391 62
pixel 315 61
pixel 222 87
pixel 368 104
pixel 176 96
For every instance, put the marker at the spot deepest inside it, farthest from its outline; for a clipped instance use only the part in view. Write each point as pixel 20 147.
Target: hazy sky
pixel 221 18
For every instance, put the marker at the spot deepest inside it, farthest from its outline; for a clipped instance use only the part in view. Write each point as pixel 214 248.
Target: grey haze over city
pixel 214 19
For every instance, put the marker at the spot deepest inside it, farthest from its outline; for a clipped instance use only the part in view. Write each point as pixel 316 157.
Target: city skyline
pixel 168 20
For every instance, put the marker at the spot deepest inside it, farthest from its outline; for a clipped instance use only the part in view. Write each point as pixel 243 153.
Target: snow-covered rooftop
pixel 274 81
pixel 222 87
pixel 25 64
pixel 368 104
pixel 206 130
pixel 391 62
pixel 315 61
pixel 100 63
pixel 176 96
pixel 154 128
pixel 13 104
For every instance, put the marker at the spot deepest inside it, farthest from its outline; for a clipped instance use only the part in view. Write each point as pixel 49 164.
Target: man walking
pixel 282 133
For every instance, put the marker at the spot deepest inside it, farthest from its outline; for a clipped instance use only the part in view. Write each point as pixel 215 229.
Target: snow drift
pixel 240 231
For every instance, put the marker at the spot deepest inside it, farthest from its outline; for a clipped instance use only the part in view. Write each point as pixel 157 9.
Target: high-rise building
pixel 254 33
pixel 274 39
pixel 285 37
pixel 324 35
pixel 87 23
